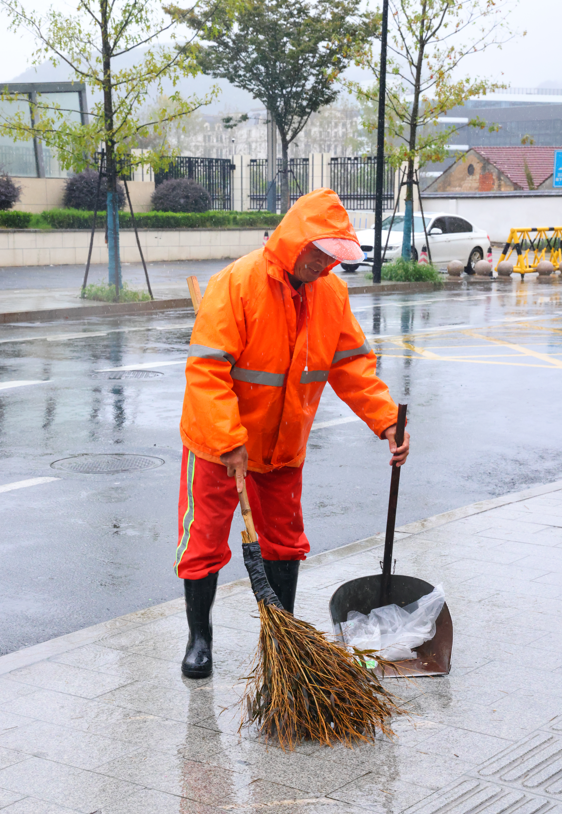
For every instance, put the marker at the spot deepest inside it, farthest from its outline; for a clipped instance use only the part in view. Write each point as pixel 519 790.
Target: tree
pixel 286 53
pixel 95 43
pixel 427 41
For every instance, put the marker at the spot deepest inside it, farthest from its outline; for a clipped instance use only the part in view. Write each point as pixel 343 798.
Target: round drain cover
pixel 107 464
pixel 127 374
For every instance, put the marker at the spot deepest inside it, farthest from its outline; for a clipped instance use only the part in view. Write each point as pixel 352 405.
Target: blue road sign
pixel 557 178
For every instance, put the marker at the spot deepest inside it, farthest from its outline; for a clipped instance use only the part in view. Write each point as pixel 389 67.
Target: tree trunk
pixel 408 212
pixel 285 196
pixel 409 201
pixel 112 209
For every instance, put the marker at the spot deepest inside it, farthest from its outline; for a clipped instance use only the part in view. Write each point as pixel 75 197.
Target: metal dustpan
pixel 365 593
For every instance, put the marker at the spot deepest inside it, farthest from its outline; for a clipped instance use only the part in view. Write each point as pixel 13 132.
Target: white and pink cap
pixel 341 249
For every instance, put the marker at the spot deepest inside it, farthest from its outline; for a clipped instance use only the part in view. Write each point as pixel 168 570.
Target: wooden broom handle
pixel 247 515
pixel 194 292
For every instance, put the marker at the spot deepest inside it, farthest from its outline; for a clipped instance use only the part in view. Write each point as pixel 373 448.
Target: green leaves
pixel 90 42
pixel 428 39
pixel 286 53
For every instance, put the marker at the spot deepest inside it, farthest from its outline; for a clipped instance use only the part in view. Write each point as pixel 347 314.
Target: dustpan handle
pixel 392 504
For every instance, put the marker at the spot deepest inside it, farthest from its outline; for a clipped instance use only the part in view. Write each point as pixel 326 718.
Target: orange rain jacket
pixel 251 378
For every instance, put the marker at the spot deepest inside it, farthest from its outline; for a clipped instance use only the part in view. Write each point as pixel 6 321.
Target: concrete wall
pixel 38 194
pixel 497 213
pixel 140 193
pixel 28 247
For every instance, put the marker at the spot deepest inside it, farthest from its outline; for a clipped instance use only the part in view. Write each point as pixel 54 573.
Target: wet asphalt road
pixel 481 370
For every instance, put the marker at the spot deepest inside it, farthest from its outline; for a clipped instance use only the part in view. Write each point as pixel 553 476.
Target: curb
pixel 70 641
pixel 106 309
pixel 117 308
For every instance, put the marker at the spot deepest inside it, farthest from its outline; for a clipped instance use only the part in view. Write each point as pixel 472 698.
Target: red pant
pixel 208 499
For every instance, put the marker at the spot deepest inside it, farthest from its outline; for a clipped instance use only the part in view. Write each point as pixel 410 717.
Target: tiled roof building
pixel 498 169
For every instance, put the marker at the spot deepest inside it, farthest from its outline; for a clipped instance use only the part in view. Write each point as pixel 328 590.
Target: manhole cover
pixel 127 374
pixel 106 464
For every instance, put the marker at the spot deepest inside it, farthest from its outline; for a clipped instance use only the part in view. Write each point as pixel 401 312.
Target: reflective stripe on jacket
pixel 244 385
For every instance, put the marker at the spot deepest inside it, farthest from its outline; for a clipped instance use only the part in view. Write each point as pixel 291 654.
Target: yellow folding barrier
pixel 546 245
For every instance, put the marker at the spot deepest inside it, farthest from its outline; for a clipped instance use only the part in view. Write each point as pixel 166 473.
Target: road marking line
pixel 20 383
pixel 319 425
pixel 428 354
pixel 61 337
pixel 492 326
pixel 418 302
pixel 22 484
pixel 544 357
pixel 143 365
pixel 456 359
pixel 82 335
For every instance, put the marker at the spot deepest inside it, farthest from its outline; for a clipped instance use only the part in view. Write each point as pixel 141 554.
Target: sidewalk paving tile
pixel 10 756
pixel 149 801
pixel 382 795
pixel 174 774
pixel 63 678
pixel 78 789
pixel 308 773
pixel 11 689
pixel 30 805
pixel 63 745
pixel 9 721
pixel 9 797
pixel 470 747
pixel 104 722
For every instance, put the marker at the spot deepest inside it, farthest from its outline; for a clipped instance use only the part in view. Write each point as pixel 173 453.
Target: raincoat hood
pixel 319 214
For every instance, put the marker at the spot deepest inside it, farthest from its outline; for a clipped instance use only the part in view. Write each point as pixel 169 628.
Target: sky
pixel 525 61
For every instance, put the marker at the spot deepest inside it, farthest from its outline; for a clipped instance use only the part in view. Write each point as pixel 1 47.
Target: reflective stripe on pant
pixel 208 500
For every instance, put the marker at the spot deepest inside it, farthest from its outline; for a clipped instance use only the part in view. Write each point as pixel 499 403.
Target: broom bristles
pixel 303 686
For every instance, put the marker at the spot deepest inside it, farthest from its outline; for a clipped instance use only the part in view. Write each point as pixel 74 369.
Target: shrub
pixel 409 271
pixel 180 195
pixel 10 192
pixel 78 219
pixel 72 219
pixel 15 220
pixel 80 191
pixel 106 293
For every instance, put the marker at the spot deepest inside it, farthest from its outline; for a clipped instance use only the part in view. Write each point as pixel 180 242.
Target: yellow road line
pixel 542 328
pixel 469 347
pixel 422 351
pixel 545 357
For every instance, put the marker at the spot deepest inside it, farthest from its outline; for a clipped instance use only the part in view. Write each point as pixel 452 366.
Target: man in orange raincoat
pixel 272 329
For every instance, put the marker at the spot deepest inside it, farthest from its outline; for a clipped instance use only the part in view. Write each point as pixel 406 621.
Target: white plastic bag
pixel 395 632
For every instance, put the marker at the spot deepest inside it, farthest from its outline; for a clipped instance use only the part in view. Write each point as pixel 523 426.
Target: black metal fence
pixel 298 180
pixel 214 174
pixel 352 178
pixel 354 181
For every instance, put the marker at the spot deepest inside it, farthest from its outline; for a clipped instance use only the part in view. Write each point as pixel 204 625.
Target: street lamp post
pixel 377 251
pixel 271 202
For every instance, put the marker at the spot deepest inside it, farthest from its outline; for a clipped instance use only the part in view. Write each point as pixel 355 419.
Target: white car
pixel 449 237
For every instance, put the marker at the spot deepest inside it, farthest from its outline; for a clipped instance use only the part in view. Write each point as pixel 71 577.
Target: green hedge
pixel 12 219
pixel 78 219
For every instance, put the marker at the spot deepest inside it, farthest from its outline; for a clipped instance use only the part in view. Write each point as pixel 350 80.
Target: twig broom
pixel 303 686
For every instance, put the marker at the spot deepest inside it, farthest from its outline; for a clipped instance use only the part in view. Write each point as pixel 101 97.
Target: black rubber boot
pixel 282 575
pixel 199 598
